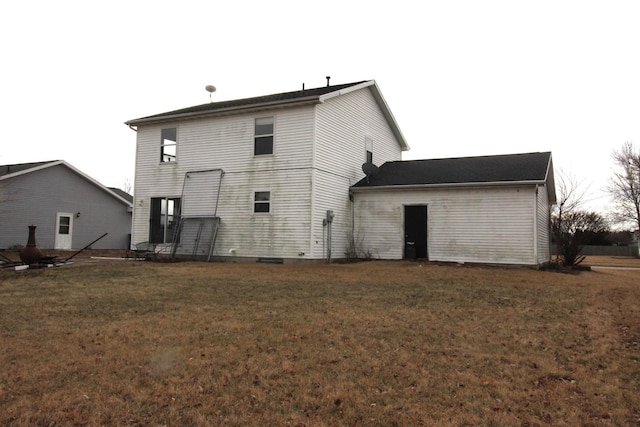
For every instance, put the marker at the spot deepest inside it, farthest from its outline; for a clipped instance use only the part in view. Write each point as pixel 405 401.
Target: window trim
pixel 257 136
pixel 173 143
pixel 257 202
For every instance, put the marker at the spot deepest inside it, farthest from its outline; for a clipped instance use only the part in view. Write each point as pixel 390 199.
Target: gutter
pixel 444 185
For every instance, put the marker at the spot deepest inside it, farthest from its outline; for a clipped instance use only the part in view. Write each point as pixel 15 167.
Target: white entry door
pixel 64 231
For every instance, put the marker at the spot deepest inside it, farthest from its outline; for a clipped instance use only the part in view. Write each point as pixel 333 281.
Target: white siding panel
pixel 543 226
pixel 341 126
pixel 331 192
pixel 485 225
pixel 227 143
pixel 282 233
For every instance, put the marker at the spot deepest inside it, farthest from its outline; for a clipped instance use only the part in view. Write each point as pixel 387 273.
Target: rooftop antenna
pixel 210 89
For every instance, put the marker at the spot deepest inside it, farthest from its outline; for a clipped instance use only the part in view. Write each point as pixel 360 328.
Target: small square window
pixel 168 144
pixel 263 139
pixel 262 202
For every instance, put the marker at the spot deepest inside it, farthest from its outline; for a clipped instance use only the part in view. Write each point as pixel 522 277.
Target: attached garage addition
pixel 491 209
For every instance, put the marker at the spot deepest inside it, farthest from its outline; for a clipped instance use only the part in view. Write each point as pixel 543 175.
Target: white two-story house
pixel 264 178
pixel 317 174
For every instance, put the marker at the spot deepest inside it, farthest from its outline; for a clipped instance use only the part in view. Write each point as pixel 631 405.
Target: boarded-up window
pixel 368 148
pixel 168 144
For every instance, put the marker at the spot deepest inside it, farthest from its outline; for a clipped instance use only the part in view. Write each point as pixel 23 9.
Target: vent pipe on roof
pixel 328 78
pixel 302 86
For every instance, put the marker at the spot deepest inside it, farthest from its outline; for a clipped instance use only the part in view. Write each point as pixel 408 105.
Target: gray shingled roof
pixel 247 102
pixel 486 169
pixel 128 197
pixel 9 169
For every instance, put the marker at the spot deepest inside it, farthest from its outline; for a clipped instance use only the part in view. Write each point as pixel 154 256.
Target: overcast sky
pixel 462 78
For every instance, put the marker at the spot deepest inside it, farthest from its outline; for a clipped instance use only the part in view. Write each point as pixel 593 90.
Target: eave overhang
pixel 225 111
pixel 307 100
pixel 447 185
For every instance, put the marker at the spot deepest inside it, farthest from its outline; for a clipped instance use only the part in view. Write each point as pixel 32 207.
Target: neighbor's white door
pixel 64 230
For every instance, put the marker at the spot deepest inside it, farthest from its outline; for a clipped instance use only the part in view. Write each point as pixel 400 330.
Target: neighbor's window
pixel 262 202
pixel 368 148
pixel 263 140
pixel 168 144
pixel 165 213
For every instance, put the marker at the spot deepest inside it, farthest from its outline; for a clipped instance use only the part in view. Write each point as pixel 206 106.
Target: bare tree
pixel 624 186
pixel 567 218
pixel 127 186
pixel 574 231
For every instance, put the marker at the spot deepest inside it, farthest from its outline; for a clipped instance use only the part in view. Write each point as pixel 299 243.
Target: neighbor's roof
pixel 128 197
pixel 16 170
pixel 285 99
pixel 11 169
pixel 511 168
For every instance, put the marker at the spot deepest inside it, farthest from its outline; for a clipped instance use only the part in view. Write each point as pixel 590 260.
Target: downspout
pixel 324 250
pixel 535 228
pixel 326 222
pixel 329 243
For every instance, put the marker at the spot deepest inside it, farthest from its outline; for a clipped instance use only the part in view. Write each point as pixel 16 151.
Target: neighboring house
pixel 273 178
pixel 69 208
pixel 492 209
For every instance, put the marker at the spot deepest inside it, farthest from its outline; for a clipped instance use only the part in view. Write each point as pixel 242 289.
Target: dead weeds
pixel 375 343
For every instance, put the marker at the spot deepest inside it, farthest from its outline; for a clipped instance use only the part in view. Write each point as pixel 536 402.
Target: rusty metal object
pixel 30 254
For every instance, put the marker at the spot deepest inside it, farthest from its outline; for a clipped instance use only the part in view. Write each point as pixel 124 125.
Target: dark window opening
pixel 165 213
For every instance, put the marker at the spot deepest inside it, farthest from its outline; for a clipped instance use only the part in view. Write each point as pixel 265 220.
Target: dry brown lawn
pixel 366 344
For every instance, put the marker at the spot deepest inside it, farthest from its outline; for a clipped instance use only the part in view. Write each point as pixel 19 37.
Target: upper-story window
pixel 368 148
pixel 263 139
pixel 168 144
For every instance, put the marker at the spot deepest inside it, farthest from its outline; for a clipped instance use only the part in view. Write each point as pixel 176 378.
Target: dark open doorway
pixel 415 232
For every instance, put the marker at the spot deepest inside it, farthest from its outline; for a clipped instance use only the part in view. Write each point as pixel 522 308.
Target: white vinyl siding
pixel 342 123
pixel 318 155
pixel 483 225
pixel 543 225
pixel 283 232
pixel 227 143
